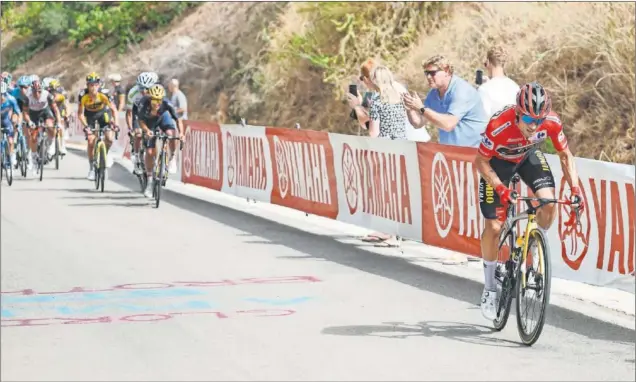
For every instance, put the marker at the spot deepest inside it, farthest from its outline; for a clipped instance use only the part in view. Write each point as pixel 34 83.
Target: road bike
pixel 100 152
pixel 21 151
pixel 139 167
pixel 41 157
pixel 7 168
pixel 160 173
pixel 58 143
pixel 527 271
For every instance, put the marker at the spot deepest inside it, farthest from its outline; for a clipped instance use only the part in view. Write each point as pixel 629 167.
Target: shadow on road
pixel 470 333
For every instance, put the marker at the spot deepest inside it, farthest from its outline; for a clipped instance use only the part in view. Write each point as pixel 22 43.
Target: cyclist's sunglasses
pixel 528 120
pixel 156 102
pixel 24 87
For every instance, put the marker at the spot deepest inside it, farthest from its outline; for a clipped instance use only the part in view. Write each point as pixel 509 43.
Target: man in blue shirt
pixel 453 106
pixel 9 116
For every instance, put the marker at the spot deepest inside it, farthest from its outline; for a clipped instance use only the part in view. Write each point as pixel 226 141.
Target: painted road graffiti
pixel 146 302
pixel 143 317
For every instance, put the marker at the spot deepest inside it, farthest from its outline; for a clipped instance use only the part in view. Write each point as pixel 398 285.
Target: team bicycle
pixel 38 110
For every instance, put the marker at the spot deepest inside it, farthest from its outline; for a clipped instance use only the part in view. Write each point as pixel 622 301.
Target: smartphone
pixel 479 77
pixel 353 89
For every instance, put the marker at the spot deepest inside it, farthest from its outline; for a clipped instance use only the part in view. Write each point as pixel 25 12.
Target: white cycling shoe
pixel 489 305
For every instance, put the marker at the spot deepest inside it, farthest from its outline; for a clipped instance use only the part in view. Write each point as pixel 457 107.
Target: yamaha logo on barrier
pixel 442 195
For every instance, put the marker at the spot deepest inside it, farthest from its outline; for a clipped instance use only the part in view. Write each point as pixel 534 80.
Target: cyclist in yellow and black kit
pixel 95 106
pixel 60 98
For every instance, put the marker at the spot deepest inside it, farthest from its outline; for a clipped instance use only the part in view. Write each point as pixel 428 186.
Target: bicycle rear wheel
pixel 537 286
pixel 505 283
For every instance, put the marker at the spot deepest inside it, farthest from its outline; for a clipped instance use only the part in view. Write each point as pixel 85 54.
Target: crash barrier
pixel 421 191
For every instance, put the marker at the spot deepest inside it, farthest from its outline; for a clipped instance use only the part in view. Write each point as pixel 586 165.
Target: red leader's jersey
pixel 503 139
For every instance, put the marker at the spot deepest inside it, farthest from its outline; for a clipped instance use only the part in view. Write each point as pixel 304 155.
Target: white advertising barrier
pixel 601 250
pixel 247 163
pixel 378 184
pixel 422 191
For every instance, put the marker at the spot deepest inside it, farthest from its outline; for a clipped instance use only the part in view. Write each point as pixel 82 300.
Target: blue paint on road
pixel 108 295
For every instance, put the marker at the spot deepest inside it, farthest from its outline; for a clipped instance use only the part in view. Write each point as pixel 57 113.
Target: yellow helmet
pixel 157 92
pixel 54 84
pixel 92 78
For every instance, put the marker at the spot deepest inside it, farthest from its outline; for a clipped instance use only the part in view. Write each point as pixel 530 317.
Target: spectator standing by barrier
pixel 117 92
pixel 499 90
pixel 178 99
pixel 362 105
pixel 453 105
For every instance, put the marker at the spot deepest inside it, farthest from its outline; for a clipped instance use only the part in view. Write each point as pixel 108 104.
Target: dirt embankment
pixel 221 52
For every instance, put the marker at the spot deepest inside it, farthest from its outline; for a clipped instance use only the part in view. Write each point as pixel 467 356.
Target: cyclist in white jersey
pixel 41 106
pixel 144 82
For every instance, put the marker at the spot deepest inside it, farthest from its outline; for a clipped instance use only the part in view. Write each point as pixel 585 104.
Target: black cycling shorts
pixel 103 117
pixel 41 115
pixel 535 172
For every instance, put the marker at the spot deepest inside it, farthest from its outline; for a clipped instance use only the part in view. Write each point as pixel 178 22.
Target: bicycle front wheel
pixel 159 178
pixel 505 282
pixel 102 165
pixel 96 165
pixel 57 150
pixel 8 167
pixel 23 157
pixel 42 154
pixel 538 273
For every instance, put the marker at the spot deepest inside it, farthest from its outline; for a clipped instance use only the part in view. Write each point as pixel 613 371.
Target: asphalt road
pixel 196 291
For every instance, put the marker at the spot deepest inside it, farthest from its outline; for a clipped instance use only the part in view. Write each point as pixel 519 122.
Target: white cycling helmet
pixel 3 87
pixel 147 79
pixel 46 81
pixel 116 77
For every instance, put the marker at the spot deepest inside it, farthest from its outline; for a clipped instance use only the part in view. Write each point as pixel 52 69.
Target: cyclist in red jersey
pixel 510 134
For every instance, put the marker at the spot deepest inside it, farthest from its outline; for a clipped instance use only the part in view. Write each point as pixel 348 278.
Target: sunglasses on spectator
pixel 431 73
pixel 528 120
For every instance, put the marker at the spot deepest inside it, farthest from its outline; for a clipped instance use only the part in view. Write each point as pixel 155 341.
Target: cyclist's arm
pixel 25 112
pixel 568 167
pixel 53 107
pixel 482 160
pixel 80 114
pixel 143 126
pixel 482 163
pixel 121 101
pixel 16 118
pixel 113 109
pixel 173 114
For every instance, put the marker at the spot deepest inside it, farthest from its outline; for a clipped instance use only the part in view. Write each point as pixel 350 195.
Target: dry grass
pixel 583 54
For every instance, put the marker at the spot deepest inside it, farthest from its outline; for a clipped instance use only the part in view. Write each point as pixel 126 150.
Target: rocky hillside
pixel 282 63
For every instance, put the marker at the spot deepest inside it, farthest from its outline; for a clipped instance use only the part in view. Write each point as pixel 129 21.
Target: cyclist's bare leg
pixel 91 147
pixel 109 137
pixel 490 239
pixel 172 144
pixel 150 159
pixel 50 129
pixel 137 139
pixel 547 213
